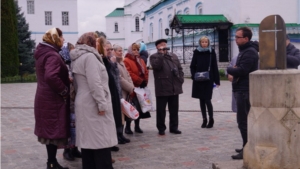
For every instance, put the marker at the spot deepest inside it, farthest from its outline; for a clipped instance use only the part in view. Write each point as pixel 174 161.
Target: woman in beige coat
pixel 125 80
pixel 95 125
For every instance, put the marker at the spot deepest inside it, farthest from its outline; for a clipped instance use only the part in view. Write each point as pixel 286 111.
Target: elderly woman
pixel 51 106
pixel 125 82
pixel 138 72
pixel 95 125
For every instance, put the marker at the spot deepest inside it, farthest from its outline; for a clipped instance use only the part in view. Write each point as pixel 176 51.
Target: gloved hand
pixel 143 84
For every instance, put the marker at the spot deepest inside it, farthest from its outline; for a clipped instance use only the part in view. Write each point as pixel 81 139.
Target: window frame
pixel 67 20
pixel 30 7
pixel 49 17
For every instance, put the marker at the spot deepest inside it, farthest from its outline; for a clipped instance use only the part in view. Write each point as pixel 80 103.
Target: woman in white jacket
pixel 95 126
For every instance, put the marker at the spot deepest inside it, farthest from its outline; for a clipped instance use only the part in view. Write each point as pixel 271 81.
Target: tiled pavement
pixel 195 148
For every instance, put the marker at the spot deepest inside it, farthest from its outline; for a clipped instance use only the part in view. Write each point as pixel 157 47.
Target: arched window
pixel 116 27
pixel 179 12
pixel 151 32
pixel 198 8
pixel 160 29
pixel 137 24
pixel 186 11
pixel 170 19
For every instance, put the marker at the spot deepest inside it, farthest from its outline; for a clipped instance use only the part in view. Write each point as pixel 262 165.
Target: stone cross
pixel 272 43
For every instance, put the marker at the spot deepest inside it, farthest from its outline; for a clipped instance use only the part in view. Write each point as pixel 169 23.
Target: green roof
pixel 201 18
pixel 200 21
pixel 116 13
pixel 257 25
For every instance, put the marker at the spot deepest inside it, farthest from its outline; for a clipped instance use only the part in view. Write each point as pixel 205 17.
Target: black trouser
pixel 243 108
pixel 161 103
pixel 96 158
pixel 203 104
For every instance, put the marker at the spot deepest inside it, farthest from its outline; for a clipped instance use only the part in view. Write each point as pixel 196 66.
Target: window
pixel 137 24
pixel 48 18
pixel 179 12
pixel 186 11
pixel 65 18
pixel 170 19
pixel 116 27
pixel 160 29
pixel 30 6
pixel 199 8
pixel 151 32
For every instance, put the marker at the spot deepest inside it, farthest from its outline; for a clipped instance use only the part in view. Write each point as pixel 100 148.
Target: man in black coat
pixel 247 62
pixel 168 77
pixel 292 55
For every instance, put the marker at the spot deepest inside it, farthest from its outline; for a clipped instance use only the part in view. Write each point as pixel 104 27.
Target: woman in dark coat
pixel 204 59
pixel 51 106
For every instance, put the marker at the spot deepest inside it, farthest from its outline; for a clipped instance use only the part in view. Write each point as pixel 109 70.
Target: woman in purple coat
pixel 51 106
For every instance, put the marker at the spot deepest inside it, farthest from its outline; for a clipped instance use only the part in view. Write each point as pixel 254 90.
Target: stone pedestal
pixel 274 120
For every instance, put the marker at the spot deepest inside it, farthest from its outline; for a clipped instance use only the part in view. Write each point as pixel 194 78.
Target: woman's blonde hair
pixel 202 38
pixel 101 42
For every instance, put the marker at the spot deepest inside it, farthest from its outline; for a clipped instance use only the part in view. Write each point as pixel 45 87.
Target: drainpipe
pixel 298 11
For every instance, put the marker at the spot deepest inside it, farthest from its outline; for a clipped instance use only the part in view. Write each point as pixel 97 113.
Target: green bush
pixel 19 79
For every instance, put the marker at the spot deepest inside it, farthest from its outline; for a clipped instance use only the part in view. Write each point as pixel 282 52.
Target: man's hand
pixel 101 113
pixel 113 59
pixel 230 77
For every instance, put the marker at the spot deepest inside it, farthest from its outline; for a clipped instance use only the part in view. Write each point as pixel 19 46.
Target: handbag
pixel 203 76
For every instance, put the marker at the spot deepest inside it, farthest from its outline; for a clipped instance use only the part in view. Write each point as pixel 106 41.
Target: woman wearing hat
pixel 51 106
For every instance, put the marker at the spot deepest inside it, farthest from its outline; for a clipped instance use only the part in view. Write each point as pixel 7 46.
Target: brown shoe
pixel 113 161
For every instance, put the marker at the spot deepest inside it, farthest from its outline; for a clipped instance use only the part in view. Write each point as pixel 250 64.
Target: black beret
pixel 160 41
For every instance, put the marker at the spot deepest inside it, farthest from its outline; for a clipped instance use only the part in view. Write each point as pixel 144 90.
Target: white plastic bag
pixel 129 110
pixel 217 96
pixel 144 97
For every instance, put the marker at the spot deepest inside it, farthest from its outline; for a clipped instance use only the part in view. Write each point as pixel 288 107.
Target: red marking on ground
pixel 213 138
pixel 123 159
pixel 26 129
pixel 203 149
pixel 188 163
pixel 10 151
pixel 229 121
pixel 144 145
pixel 13 120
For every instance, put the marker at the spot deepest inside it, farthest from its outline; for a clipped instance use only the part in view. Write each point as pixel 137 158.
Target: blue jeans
pixel 243 108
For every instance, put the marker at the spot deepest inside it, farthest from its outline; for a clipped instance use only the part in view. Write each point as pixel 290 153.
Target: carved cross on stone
pixel 272 43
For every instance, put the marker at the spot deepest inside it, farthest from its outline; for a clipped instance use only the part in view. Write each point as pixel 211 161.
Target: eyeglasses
pixel 160 49
pixel 110 49
pixel 237 37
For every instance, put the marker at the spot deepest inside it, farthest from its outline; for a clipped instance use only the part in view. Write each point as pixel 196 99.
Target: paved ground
pixel 195 148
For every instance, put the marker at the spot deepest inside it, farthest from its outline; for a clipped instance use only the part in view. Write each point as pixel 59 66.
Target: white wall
pixel 37 20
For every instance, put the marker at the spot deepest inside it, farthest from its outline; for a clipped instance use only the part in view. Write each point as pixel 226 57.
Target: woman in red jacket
pixel 52 102
pixel 138 71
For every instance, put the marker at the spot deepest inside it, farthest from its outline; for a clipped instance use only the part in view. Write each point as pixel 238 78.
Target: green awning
pixel 118 12
pixel 200 22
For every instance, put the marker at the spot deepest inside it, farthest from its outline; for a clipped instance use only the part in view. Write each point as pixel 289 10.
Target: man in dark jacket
pixel 168 77
pixel 247 62
pixel 292 55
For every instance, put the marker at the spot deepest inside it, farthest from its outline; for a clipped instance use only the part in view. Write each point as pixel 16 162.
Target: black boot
pixel 76 153
pixel 68 155
pixel 137 126
pixel 123 137
pixel 55 165
pixel 204 124
pixel 210 123
pixel 119 135
pixel 114 148
pixel 127 128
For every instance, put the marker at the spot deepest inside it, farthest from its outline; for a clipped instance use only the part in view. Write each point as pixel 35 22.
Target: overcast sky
pixel 91 14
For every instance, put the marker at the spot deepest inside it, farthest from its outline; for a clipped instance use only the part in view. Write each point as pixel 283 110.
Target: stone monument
pixel 274 117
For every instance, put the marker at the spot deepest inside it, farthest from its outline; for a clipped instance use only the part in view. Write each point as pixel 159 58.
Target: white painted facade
pixel 37 23
pixel 156 18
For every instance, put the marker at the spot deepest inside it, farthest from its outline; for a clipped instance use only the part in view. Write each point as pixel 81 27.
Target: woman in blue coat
pixel 204 59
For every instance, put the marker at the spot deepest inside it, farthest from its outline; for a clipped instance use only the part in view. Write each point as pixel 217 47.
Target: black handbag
pixel 203 76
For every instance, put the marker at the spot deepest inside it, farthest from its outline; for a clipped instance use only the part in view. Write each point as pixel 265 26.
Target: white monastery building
pixel 146 20
pixel 43 15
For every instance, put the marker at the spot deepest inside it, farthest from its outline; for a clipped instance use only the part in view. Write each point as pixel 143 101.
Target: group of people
pixel 82 86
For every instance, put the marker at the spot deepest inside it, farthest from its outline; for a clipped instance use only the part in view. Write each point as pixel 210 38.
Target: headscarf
pixel 65 53
pixel 142 47
pixel 88 38
pixel 52 37
pixel 137 59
